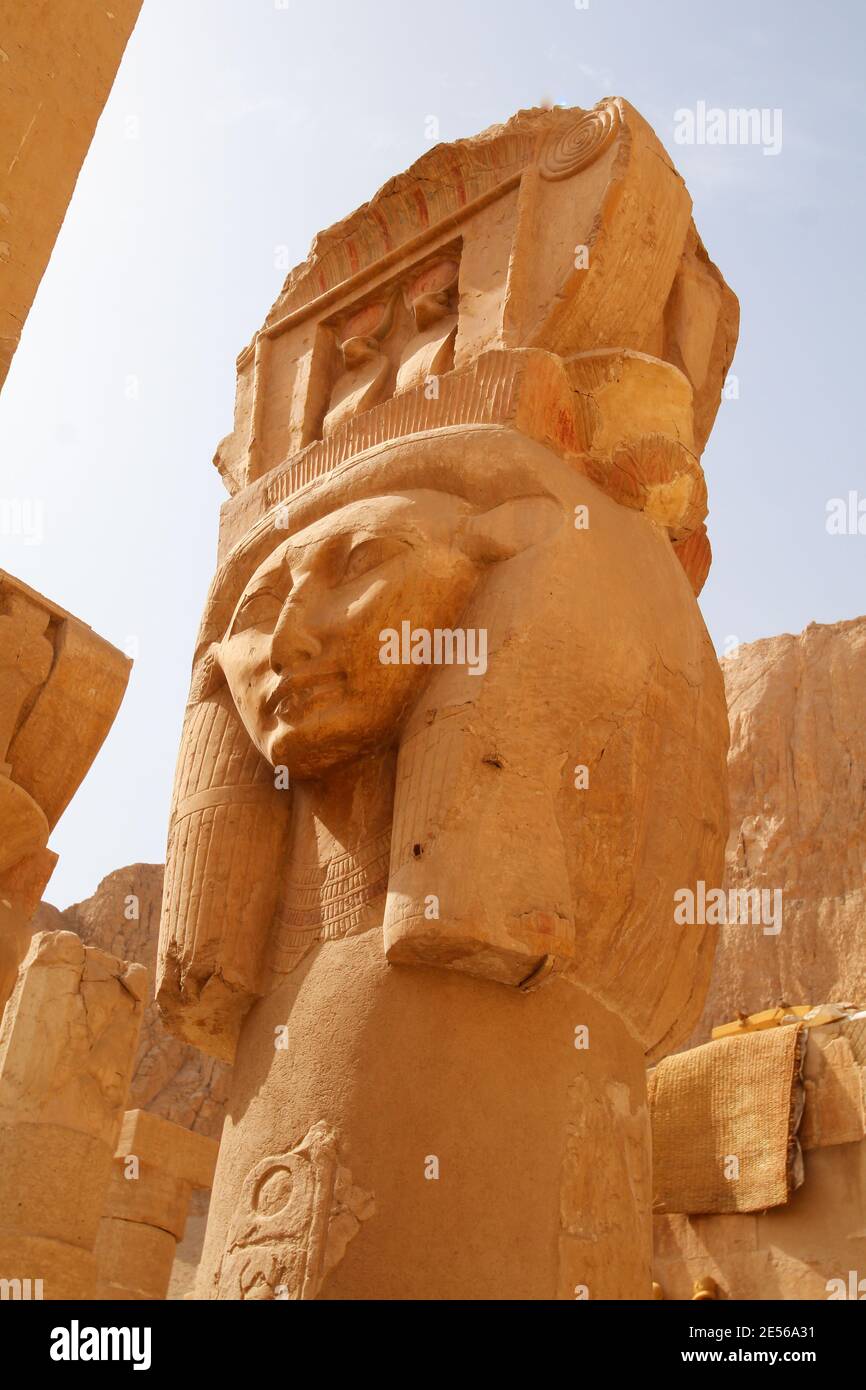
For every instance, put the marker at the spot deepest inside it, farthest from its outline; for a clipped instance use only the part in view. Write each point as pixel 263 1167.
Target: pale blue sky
pixel 236 127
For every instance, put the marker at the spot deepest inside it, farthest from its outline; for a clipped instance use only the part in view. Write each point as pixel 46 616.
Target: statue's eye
pixel 259 609
pixel 368 555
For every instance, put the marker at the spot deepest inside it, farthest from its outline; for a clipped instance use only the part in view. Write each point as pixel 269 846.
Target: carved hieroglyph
pixel 67 1045
pixel 60 688
pixel 297 1213
pixel 454 708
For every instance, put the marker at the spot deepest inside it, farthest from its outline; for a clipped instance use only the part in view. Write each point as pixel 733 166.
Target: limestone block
pixel 134 1260
pixel 834 1111
pixel 156 1167
pixel 170 1078
pixel 67 1045
pixel 60 688
pixel 174 1151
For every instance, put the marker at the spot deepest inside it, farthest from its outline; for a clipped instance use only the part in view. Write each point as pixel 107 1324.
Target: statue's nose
pixel 294 638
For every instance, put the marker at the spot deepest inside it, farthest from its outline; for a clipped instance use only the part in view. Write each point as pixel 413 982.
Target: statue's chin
pixel 311 751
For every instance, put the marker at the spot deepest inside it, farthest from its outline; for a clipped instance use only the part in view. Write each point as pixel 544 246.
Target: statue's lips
pixel 296 693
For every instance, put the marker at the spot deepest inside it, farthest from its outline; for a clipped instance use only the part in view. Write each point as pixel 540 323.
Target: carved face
pixel 302 652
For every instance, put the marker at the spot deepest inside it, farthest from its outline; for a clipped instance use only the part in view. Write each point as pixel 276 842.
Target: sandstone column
pixel 67 1046
pixel 59 61
pixel 156 1167
pixel 456 732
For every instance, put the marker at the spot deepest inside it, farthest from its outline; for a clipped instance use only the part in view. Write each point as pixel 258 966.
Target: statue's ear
pixel 207 673
pixel 509 528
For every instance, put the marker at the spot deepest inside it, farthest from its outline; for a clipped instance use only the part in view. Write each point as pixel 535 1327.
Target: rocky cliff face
pixel 170 1077
pixel 797 769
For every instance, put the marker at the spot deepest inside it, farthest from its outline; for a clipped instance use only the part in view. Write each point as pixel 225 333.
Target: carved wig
pixel 593 633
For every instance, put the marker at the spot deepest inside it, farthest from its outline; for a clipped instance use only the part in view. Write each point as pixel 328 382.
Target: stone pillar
pixel 456 732
pixel 67 1047
pixel 482 1156
pixel 59 61
pixel 157 1165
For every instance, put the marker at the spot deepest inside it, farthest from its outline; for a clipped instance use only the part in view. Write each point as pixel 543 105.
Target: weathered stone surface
pixel 404 899
pixel 170 1078
pixel 797 769
pixel 59 61
pixel 157 1166
pixel 67 1044
pixel 60 684
pixel 803 1250
pixel 181 1285
pixel 60 688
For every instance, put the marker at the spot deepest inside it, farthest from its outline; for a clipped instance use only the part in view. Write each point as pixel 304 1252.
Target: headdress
pixel 542 282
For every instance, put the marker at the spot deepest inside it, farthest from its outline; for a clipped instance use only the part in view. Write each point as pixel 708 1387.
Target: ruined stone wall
pixel 170 1078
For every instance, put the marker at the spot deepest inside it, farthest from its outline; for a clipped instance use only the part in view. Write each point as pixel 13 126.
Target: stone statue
pixel 456 733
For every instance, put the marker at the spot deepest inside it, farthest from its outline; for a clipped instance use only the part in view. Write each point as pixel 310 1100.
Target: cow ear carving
pixel 509 528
